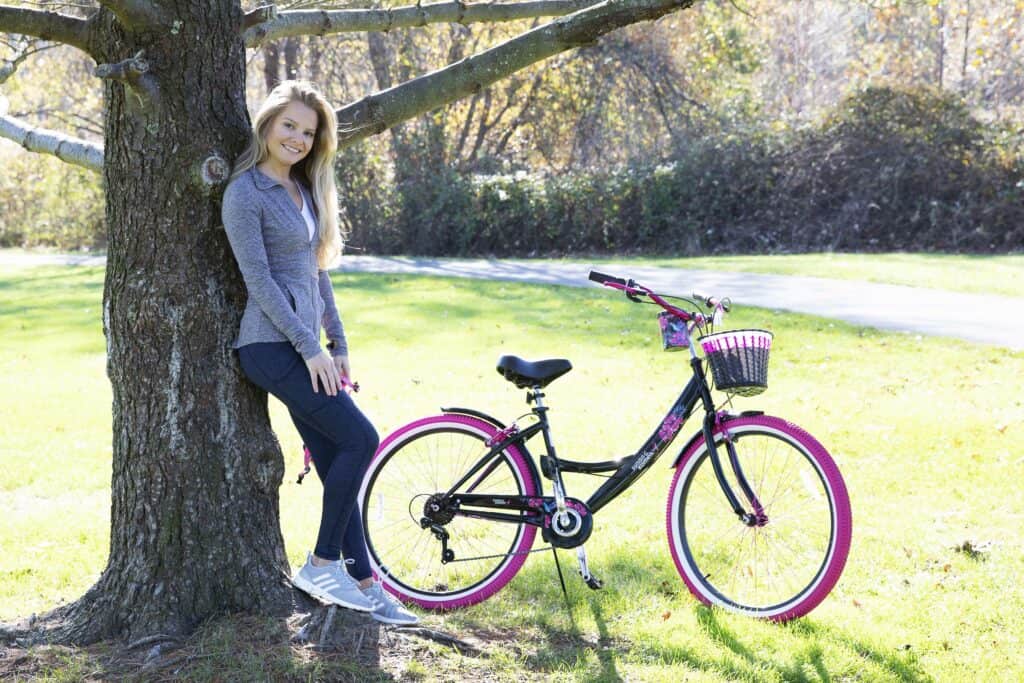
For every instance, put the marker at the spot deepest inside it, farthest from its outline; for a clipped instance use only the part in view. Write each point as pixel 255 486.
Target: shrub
pixel 889 169
pixel 46 202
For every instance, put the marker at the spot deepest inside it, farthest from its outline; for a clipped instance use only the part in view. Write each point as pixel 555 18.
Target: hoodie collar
pixel 265 182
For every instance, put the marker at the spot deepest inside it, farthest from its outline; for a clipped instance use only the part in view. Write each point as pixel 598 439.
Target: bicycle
pixel 758 518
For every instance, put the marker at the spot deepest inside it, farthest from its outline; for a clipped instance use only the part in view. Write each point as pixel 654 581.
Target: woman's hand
pixel 343 368
pixel 322 368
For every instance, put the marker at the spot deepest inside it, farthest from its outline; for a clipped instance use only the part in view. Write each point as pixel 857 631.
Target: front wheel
pixel 414 464
pixel 778 567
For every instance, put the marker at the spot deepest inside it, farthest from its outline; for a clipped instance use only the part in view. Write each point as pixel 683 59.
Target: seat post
pixel 536 397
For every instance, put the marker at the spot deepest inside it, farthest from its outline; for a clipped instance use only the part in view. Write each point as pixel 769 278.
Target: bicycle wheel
pixel 419 460
pixel 781 569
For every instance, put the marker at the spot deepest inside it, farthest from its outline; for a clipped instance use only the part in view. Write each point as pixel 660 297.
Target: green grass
pixel 1003 275
pixel 929 434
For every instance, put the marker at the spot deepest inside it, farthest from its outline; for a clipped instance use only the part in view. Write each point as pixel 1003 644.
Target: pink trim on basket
pixel 738 339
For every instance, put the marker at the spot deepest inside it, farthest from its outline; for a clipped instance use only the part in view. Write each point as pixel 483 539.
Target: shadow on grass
pixel 804 650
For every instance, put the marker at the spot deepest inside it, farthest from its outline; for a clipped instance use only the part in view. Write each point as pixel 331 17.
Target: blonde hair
pixel 317 168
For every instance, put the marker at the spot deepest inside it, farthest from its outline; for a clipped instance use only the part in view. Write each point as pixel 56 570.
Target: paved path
pixel 990 319
pixel 995 320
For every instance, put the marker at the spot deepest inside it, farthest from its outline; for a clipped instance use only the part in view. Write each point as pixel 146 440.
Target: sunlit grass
pixel 929 434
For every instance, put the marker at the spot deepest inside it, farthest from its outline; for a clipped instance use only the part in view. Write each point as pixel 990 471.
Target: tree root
pixel 331 629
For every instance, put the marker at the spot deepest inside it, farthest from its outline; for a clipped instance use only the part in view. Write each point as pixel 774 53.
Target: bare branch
pixel 323 22
pixel 64 147
pixel 260 15
pixel 378 112
pixel 128 71
pixel 46 25
pixel 133 72
pixel 23 50
pixel 136 15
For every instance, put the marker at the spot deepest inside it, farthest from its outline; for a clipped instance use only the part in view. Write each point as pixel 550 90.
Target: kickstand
pixel 561 579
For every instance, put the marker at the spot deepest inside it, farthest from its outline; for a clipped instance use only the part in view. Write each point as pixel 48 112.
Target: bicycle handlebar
pixel 633 290
pixel 605 279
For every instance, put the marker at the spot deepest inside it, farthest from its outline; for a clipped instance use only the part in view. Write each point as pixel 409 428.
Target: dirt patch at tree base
pixel 247 647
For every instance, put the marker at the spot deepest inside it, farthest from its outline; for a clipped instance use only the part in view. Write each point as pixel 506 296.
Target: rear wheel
pixel 784 566
pixel 421 460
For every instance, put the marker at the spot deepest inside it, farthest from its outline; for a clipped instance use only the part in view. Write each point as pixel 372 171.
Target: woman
pixel 280 213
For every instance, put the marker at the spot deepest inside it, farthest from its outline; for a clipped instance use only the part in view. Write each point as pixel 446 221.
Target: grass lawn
pixel 1003 275
pixel 929 434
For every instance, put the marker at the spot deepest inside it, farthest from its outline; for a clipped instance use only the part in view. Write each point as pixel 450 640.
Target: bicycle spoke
pixel 758 567
pixel 427 464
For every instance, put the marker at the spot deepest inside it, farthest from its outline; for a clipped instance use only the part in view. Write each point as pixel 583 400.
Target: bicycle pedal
pixel 595 583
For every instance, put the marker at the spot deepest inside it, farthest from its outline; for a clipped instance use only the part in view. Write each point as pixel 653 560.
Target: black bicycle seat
pixel 525 374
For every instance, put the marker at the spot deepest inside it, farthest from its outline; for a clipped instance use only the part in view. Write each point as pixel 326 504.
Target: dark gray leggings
pixel 339 437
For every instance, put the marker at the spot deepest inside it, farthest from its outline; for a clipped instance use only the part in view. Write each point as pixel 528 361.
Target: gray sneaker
pixel 388 610
pixel 331 583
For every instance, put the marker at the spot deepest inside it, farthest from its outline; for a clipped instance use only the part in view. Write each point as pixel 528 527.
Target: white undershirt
pixel 308 215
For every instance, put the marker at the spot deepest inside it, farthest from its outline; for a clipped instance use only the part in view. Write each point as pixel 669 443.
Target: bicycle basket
pixel 739 360
pixel 673 332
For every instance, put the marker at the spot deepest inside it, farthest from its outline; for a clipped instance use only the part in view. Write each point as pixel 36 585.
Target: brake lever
pixel 633 293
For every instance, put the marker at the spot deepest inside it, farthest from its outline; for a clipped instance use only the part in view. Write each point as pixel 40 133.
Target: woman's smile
pixel 290 137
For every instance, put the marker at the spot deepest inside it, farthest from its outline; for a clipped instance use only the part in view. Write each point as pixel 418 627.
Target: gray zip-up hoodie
pixel 290 298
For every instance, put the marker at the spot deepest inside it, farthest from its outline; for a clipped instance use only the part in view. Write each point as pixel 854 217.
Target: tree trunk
pixel 291 58
pixel 271 65
pixel 196 469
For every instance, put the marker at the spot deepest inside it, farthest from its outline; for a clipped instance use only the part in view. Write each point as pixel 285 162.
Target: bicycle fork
pixel 712 419
pixel 757 517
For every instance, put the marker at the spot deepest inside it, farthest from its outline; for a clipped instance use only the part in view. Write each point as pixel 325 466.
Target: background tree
pixel 196 469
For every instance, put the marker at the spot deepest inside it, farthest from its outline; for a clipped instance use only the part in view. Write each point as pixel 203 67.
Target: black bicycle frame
pixel 626 470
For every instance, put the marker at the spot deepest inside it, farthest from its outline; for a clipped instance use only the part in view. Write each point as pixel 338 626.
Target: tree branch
pixel 64 147
pixel 323 22
pixel 46 25
pixel 136 15
pixel 259 16
pixel 133 72
pixel 22 52
pixel 378 112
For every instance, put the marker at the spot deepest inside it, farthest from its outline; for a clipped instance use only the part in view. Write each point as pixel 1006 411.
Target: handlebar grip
pixel 604 278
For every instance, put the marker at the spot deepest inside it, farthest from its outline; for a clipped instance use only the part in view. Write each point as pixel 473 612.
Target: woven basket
pixel 739 360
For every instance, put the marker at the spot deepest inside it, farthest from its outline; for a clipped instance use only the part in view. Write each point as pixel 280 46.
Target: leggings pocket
pixel 267 363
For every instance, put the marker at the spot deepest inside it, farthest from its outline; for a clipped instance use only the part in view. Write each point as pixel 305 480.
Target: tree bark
pixel 325 22
pixel 196 468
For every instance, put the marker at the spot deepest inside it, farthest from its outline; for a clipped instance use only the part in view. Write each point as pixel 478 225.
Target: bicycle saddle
pixel 525 374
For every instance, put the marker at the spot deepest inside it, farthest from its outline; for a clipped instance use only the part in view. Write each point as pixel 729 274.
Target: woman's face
pixel 291 134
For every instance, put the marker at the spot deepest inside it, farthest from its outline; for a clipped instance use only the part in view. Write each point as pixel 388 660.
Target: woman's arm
pixel 331 321
pixel 241 214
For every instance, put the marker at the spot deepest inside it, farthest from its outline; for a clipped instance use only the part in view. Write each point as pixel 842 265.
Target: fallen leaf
pixel 665 616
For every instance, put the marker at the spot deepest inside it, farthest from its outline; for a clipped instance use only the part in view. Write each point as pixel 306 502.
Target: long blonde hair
pixel 317 168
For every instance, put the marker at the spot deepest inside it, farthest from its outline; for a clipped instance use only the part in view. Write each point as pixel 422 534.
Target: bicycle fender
pixel 682 451
pixel 699 435
pixel 475 413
